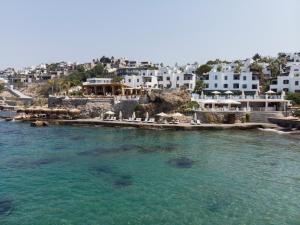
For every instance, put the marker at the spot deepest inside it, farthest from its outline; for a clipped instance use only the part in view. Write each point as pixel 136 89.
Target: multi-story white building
pixel 224 77
pixel 289 80
pixel 163 78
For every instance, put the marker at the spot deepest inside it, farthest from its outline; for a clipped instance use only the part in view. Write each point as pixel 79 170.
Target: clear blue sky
pixel 36 31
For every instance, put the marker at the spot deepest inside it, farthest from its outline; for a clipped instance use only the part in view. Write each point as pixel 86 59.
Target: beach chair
pixel 138 119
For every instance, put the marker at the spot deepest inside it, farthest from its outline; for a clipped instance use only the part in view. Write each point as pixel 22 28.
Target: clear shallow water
pixel 80 175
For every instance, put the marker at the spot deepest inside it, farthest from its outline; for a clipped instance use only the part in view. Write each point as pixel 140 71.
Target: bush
pixel 294 97
pixel 192 104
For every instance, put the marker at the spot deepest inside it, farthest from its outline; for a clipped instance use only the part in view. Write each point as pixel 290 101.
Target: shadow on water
pixel 112 176
pixel 6 207
pixel 123 181
pixel 129 147
pixel 23 164
pixel 182 162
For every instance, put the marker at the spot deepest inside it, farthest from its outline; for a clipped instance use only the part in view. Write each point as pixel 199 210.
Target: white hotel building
pixel 164 78
pixel 289 80
pixel 223 77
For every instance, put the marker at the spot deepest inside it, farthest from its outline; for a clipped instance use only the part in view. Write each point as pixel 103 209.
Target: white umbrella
pixel 177 114
pixel 109 113
pixel 228 92
pixel 243 93
pixel 120 115
pixel 216 92
pixel 147 116
pixel 133 115
pixel 283 94
pixel 195 117
pixel 270 92
pixel 202 94
pixel 162 114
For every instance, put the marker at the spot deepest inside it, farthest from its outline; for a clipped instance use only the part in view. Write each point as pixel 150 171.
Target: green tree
pixel 205 68
pixel 294 97
pixel 2 87
pixel 199 87
pixel 219 68
pixel 256 57
pixel 117 79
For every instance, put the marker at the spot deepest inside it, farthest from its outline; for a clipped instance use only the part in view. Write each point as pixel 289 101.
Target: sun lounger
pixel 193 122
pixel 198 122
pixel 138 119
pixel 146 120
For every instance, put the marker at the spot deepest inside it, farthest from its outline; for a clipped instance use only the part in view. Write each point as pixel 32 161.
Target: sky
pixel 168 31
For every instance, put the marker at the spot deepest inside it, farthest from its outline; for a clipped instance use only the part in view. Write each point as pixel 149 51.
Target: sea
pixel 63 175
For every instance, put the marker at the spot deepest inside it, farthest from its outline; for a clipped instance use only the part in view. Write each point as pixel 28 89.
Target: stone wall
pixel 220 117
pixel 89 107
pixel 127 107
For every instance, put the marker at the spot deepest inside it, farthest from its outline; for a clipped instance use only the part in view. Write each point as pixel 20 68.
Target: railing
pixel 236 97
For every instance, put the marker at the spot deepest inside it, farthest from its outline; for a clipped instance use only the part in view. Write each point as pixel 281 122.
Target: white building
pixel 224 77
pixel 289 81
pixel 163 78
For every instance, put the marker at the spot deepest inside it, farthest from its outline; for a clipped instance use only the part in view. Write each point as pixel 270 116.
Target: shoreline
pixel 141 125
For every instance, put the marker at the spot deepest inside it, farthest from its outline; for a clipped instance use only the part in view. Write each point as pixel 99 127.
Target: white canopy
pixel 270 92
pixel 109 113
pixel 228 92
pixel 177 114
pixel 209 101
pixel 216 92
pixel 162 114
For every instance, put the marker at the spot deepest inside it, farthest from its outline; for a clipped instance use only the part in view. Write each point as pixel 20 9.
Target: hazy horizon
pixel 169 31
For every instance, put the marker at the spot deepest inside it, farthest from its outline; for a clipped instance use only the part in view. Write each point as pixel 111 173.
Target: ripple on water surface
pixel 81 175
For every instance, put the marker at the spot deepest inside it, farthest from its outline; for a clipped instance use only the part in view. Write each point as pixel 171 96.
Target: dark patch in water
pixel 100 151
pixel 167 148
pixel 214 207
pixel 181 162
pixel 46 161
pixel 77 138
pixel 59 148
pixel 23 164
pixel 123 181
pixel 103 170
pixel 6 207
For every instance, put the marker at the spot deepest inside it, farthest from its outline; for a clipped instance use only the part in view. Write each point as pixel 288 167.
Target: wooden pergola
pixel 110 89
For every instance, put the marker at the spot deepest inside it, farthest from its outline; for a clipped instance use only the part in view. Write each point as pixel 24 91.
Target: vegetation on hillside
pixel 294 97
pixel 199 87
pixel 1 88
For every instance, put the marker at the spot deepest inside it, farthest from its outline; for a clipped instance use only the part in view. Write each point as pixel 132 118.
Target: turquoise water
pixel 80 175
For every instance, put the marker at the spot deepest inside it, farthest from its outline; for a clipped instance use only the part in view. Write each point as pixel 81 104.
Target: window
pixel 177 78
pixel 216 85
pixel 254 86
pixel 216 77
pixel 286 81
pixel 177 85
pixel 236 86
pixel 296 83
pixel 225 85
pixel 244 86
pixel 129 80
pixel 138 80
pixel 144 74
pixel 236 77
pixel 225 78
pixel 244 78
pixel 168 78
